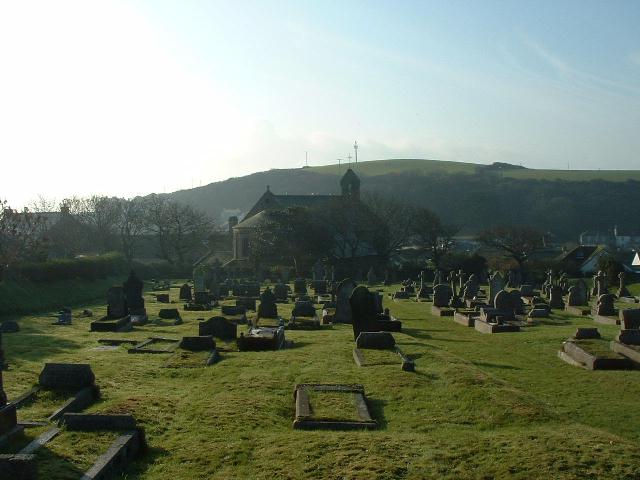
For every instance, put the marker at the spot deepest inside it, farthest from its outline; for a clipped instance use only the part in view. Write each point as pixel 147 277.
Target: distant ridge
pixel 473 196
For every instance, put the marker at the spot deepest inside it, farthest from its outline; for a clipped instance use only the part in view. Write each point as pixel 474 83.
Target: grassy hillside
pixel 478 406
pixel 431 167
pixel 468 195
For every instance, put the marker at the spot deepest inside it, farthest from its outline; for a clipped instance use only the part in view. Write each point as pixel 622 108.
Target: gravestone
pixel 133 295
pixel 471 287
pixel 116 303
pixel 343 307
pixel 320 287
pixel 299 286
pixel 64 317
pixel 198 344
pixel 630 318
pixel 555 297
pixel 185 292
pixel 9 326
pixel 66 376
pixel 377 340
pixel 363 310
pixel 577 295
pixel 247 302
pixel 600 284
pixel 281 292
pixel 303 308
pixel 622 288
pixel 267 307
pixel 496 283
pixel 442 295
pixel 218 327
pixel 605 306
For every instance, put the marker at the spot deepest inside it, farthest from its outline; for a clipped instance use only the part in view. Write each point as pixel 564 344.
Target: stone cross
pixel 622 288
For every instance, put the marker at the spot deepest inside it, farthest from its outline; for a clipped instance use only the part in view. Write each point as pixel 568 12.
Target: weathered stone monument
pixel 555 297
pixel 442 295
pixel 133 295
pixel 496 284
pixel 185 293
pixel 471 287
pixel 299 286
pixel 363 309
pixel 281 292
pixel 604 310
pixel 343 307
pixel 267 307
pixel 622 288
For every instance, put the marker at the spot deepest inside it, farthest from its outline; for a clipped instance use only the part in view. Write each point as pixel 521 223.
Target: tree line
pixel 154 225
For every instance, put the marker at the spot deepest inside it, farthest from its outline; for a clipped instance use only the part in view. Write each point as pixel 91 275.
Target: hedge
pixel 85 268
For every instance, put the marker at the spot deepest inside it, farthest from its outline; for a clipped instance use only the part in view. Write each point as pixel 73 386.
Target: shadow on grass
pixel 553 322
pixel 495 365
pixel 417 333
pixel 148 457
pixel 376 410
pixel 34 346
pixel 426 375
pixel 51 465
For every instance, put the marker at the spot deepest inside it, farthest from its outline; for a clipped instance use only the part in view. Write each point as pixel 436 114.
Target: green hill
pixel 473 196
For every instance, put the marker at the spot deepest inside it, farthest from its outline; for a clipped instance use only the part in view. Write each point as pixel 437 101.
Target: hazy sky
pixel 128 98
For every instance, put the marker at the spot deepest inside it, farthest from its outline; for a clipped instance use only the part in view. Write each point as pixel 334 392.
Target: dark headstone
pixel 378 340
pixel 555 297
pixel 9 326
pixel 605 305
pixel 267 307
pixel 169 313
pixel 281 292
pixel 185 292
pixel 442 295
pixel 66 376
pixel 133 294
pixel 198 344
pixel 233 309
pixel 583 333
pixel 363 310
pixel 116 303
pixel 299 286
pixel 218 327
pixel 343 307
pixel 630 318
pixel 303 308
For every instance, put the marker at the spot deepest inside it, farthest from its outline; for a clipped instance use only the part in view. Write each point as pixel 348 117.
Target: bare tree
pixel 516 242
pixel 430 233
pixel 180 230
pixel 101 214
pixel 21 236
pixel 396 221
pixel 132 225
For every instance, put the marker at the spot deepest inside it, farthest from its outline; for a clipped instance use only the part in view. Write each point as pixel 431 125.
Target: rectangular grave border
pixel 606 320
pixel 485 327
pixel 573 354
pixel 305 421
pixel 144 346
pixel 466 319
pixel 578 310
pixel 406 364
pixel 442 311
pixel 81 400
pixel 628 351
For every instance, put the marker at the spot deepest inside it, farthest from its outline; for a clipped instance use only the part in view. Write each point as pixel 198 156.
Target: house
pixel 582 259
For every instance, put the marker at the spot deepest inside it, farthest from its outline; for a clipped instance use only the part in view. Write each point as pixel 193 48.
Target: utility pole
pixel 306 159
pixel 355 147
pixel 349 157
pixel 339 161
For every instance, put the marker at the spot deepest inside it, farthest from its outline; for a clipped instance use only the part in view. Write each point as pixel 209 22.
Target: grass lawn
pixel 478 406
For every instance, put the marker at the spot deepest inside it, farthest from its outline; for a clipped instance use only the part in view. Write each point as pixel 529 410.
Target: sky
pixel 131 97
